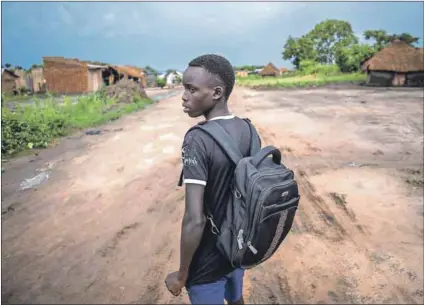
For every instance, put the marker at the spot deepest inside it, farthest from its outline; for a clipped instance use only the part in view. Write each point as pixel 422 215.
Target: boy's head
pixel 209 79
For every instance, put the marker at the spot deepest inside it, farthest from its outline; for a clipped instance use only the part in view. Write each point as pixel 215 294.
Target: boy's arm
pixel 194 221
pixel 195 172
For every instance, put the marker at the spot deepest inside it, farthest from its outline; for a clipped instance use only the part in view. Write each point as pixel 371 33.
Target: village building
pixel 171 77
pixel 150 79
pixel 22 80
pixel 398 64
pixel 283 70
pixel 270 70
pixel 30 81
pixel 8 81
pixel 128 72
pixel 242 73
pixel 72 76
pixel 38 83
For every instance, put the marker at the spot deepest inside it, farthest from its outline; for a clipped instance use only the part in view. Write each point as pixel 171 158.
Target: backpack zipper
pixel 251 248
pixel 254 223
pixel 240 240
pixel 267 173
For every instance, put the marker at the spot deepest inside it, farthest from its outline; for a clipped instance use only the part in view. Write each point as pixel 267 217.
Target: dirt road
pixel 104 228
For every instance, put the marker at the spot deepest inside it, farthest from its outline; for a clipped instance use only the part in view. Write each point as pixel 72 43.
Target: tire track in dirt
pixel 313 217
pixel 106 232
pixel 327 229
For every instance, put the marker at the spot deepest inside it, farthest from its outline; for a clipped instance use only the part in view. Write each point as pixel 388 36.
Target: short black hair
pixel 218 65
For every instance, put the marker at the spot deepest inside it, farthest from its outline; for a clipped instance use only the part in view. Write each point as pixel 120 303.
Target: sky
pixel 168 35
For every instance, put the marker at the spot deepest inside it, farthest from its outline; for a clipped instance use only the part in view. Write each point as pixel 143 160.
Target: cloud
pixel 109 17
pixel 201 21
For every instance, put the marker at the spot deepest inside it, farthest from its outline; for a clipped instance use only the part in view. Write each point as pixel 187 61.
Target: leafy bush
pixel 177 79
pixel 308 67
pixel 35 126
pixel 161 82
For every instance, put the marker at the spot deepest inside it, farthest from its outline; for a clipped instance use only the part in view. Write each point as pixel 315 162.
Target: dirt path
pixel 105 227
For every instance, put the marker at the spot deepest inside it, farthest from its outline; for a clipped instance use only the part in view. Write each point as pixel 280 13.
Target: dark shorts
pixel 229 287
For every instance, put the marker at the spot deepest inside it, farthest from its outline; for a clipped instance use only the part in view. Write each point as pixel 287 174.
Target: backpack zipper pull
pixel 251 248
pixel 240 239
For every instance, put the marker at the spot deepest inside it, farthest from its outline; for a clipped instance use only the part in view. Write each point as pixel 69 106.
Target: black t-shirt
pixel 205 163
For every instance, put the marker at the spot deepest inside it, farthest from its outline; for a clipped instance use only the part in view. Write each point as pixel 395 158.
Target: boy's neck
pixel 221 109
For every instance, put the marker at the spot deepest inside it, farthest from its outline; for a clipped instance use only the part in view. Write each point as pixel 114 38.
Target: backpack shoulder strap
pixel 220 136
pixel 214 130
pixel 255 144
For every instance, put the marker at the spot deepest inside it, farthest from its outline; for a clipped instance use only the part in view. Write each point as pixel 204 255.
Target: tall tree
pixel 151 70
pixel 381 38
pixel 408 38
pixel 329 36
pixel 349 58
pixel 298 49
pixel 321 44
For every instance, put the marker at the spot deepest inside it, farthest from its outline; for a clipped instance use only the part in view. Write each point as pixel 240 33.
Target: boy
pixel 208 276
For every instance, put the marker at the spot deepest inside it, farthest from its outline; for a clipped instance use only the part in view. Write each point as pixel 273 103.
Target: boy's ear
pixel 218 92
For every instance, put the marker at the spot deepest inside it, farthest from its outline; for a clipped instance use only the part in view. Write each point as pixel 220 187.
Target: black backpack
pixel 264 201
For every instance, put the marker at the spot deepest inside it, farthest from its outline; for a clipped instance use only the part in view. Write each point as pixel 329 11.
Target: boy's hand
pixel 175 283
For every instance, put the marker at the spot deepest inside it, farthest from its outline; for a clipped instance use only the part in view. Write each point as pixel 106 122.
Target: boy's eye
pixel 191 89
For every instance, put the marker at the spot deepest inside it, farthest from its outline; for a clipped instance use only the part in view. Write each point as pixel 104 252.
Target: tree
pixel 381 38
pixel 151 70
pixel 7 65
pixel 329 36
pixel 177 79
pixel 321 44
pixel 161 82
pixel 298 49
pixel 350 58
pixel 35 66
pixel 408 38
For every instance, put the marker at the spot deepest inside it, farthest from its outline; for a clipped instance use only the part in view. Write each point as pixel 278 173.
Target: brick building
pixel 62 75
pixel 37 79
pixel 133 73
pixel 71 76
pixel 8 81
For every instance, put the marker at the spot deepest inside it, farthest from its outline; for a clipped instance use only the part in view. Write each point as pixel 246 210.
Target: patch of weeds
pixel 36 126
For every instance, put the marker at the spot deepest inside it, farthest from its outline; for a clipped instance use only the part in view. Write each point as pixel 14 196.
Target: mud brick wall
pixel 67 76
pixel 38 80
pixel 8 82
pixel 21 81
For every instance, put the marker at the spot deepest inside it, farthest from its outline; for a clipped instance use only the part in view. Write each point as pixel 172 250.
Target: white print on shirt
pixel 186 159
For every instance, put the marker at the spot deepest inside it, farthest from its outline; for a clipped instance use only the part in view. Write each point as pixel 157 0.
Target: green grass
pixel 23 97
pixel 300 81
pixel 36 126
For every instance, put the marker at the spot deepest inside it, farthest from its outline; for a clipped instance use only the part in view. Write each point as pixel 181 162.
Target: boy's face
pixel 200 91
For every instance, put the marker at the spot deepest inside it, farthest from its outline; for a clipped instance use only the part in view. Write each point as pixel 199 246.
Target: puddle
pixel 33 182
pixel 165 95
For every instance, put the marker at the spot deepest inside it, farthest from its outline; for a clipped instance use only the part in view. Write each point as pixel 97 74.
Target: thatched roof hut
pixel 396 57
pixel 396 64
pixel 270 70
